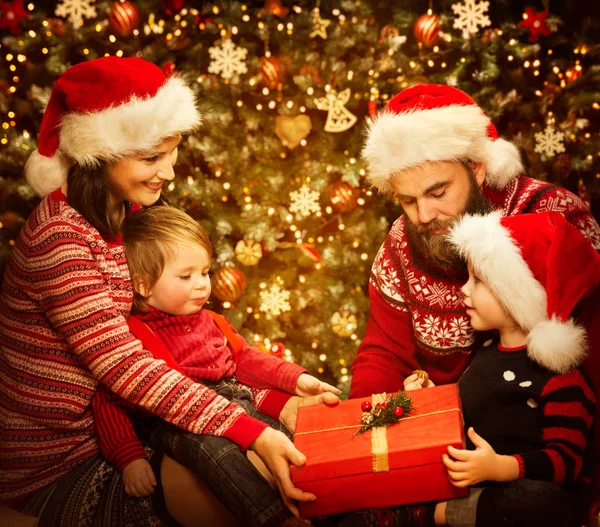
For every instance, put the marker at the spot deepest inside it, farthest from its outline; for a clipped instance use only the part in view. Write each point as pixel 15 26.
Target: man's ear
pixel 479 171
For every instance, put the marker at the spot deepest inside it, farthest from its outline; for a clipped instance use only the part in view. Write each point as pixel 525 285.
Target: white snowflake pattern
pixel 460 326
pixel 75 10
pixel 228 59
pixel 275 300
pixel 549 142
pixel 305 201
pixel 471 16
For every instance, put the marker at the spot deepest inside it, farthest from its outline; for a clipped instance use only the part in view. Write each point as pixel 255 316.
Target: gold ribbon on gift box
pixel 379 443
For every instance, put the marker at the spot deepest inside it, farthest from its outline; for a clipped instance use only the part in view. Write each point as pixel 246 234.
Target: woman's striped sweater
pixel 63 307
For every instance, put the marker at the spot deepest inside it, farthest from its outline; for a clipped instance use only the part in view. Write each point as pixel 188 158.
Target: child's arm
pixel 568 405
pixel 117 439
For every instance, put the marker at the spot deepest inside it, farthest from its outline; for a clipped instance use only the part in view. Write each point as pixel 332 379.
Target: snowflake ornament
pixel 75 10
pixel 274 301
pixel 471 16
pixel 305 201
pixel 549 142
pixel 228 59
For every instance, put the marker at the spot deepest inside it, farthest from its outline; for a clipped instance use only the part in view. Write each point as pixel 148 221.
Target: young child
pixel 247 391
pixel 528 406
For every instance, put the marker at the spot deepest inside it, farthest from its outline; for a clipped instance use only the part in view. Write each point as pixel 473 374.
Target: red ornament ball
pixel 343 196
pixel 272 72
pixel 124 17
pixel 228 284
pixel 427 30
pixel 366 406
pixel 573 73
pixel 398 411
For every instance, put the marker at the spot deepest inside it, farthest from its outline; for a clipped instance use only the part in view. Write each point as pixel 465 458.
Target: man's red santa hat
pixel 539 267
pixel 434 122
pixel 104 110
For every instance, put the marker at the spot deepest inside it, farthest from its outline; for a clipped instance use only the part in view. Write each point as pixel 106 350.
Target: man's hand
pixel 414 382
pixel 469 467
pixel 277 453
pixel 309 385
pixel 289 414
pixel 138 478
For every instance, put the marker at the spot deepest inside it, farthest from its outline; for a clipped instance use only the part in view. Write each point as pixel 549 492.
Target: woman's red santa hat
pixel 539 267
pixel 435 122
pixel 104 110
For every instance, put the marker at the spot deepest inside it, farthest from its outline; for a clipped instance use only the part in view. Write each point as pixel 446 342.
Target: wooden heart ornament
pixel 291 130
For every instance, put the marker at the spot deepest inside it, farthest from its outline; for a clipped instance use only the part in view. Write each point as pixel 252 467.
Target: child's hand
pixel 469 467
pixel 414 382
pixel 278 453
pixel 309 385
pixel 289 413
pixel 138 478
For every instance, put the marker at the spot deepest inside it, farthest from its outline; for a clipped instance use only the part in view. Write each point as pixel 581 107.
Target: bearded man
pixel 435 149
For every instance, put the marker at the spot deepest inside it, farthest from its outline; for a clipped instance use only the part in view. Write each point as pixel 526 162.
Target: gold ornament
pixel 422 374
pixel 344 323
pixel 248 252
pixel 339 118
pixel 320 25
pixel 388 32
pixel 291 130
pixel 228 284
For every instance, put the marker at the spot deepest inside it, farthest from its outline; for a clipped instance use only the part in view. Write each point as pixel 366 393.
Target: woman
pixel 108 142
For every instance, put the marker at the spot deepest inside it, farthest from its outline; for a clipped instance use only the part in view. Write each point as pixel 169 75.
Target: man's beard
pixel 436 248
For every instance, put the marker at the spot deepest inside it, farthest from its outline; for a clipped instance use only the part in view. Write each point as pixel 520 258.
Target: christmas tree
pixel 286 91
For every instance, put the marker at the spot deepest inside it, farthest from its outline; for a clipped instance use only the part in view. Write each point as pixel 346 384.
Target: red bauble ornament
pixel 278 350
pixel 276 8
pixel 573 73
pixel 427 30
pixel 366 406
pixel 343 196
pixel 124 17
pixel 10 14
pixel 172 7
pixel 398 411
pixel 168 68
pixel 272 72
pixel 536 23
pixel 228 284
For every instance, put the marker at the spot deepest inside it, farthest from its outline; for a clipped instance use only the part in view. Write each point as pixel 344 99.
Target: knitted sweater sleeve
pixel 72 289
pixel 387 354
pixel 568 404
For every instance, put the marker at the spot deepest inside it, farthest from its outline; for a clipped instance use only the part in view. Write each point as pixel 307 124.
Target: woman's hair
pixel 149 239
pixel 87 193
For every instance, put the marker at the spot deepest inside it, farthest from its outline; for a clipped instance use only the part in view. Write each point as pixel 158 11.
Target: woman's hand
pixel 138 478
pixel 278 453
pixel 289 414
pixel 414 382
pixel 309 385
pixel 469 467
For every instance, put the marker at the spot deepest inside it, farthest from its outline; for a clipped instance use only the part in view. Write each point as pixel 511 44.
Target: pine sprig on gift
pixel 385 414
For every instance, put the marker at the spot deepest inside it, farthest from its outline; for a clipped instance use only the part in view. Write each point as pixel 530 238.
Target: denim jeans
pixel 219 462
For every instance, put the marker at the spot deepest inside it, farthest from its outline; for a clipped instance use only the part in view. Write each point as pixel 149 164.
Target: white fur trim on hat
pixel 136 126
pixel 45 174
pixel 487 245
pixel 399 141
pixel 556 345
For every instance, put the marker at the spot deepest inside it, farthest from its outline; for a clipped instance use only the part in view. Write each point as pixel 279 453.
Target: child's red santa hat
pixel 435 122
pixel 106 109
pixel 539 267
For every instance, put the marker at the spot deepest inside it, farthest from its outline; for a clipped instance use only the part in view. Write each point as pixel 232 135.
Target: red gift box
pixel 348 472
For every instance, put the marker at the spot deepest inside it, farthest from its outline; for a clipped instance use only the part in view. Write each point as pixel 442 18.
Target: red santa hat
pixel 434 122
pixel 539 267
pixel 106 109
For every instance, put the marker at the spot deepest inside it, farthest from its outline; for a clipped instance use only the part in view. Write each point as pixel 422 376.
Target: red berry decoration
pixel 398 411
pixel 366 406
